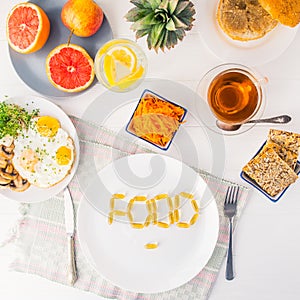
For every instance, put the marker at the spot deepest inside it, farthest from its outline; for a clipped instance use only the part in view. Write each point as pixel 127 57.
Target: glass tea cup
pixel 234 94
pixel 120 65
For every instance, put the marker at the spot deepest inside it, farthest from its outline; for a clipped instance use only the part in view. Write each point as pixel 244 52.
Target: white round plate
pixel 35 194
pixel 255 52
pixel 117 251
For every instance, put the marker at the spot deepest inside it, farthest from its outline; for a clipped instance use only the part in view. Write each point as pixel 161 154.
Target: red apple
pixel 82 17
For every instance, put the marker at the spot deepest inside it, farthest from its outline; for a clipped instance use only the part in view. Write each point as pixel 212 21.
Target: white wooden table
pixel 267 239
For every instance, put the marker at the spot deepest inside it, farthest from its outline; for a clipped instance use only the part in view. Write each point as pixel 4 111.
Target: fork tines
pixel 232 194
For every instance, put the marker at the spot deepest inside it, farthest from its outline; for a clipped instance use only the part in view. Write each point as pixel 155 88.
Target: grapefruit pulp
pixel 27 28
pixel 70 68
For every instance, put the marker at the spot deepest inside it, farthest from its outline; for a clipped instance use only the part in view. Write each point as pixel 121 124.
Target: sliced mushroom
pixel 9 172
pixel 19 184
pixel 3 162
pixel 4 181
pixel 9 149
pixel 4 186
pixel 7 140
pixel 5 154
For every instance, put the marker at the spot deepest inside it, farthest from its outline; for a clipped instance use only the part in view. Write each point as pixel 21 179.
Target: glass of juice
pixel 120 65
pixel 234 93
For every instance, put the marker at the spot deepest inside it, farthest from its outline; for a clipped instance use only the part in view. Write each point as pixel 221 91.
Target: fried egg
pixel 44 154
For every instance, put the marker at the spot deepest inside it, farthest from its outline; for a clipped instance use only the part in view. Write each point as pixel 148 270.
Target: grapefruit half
pixel 70 68
pixel 27 28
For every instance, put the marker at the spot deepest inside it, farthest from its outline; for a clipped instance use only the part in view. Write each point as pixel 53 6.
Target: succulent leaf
pixel 136 14
pixel 182 5
pixel 178 23
pixel 139 3
pixel 172 40
pixel 172 6
pixel 142 32
pixel 164 4
pixel 164 22
pixel 144 23
pixel 159 44
pixel 161 15
pixel 155 34
pixel 171 25
pixel 180 34
pixel 154 4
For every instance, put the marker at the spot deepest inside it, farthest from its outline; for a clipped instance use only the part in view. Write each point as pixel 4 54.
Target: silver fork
pixel 230 211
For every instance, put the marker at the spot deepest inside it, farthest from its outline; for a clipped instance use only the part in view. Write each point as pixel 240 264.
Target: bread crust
pixel 244 20
pixel 287 12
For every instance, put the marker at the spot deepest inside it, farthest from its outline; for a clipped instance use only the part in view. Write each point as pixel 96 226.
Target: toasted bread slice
pixel 270 172
pixel 244 20
pixel 287 12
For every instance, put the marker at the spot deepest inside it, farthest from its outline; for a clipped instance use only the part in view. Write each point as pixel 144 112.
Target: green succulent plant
pixel 165 22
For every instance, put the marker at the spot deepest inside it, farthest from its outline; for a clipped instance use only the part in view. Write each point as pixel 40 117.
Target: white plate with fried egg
pixel 46 154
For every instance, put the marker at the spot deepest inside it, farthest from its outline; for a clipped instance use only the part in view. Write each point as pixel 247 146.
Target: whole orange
pixel 82 17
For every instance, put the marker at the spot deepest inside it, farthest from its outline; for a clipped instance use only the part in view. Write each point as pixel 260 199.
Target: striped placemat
pixel 41 239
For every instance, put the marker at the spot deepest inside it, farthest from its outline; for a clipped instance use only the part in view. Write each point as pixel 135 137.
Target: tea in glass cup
pixel 233 92
pixel 120 65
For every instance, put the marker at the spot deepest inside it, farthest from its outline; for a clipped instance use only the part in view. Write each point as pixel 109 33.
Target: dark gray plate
pixel 31 67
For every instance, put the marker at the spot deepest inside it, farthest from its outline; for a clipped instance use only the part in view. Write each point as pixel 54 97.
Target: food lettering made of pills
pixel 151 204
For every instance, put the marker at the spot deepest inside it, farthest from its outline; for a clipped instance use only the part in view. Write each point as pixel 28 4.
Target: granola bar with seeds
pixel 290 157
pixel 270 172
pixel 286 139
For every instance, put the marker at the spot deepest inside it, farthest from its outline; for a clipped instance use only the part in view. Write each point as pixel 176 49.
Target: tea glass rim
pixel 258 80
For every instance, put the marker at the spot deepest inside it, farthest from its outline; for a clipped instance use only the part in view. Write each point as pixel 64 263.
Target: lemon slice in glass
pixel 125 56
pixel 120 65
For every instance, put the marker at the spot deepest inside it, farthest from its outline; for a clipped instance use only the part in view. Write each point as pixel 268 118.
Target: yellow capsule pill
pixel 151 245
pixel 154 218
pixel 154 205
pixel 119 213
pixel 118 196
pixel 130 205
pixel 130 217
pixel 140 198
pixel 112 203
pixel 186 195
pixel 137 225
pixel 163 225
pixel 170 203
pixel 176 215
pixel 176 201
pixel 161 196
pixel 149 206
pixel 195 205
pixel 183 225
pixel 171 217
pixel 148 221
pixel 110 218
pixel 194 219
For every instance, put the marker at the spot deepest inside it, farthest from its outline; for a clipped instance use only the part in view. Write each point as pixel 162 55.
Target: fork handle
pixel 229 264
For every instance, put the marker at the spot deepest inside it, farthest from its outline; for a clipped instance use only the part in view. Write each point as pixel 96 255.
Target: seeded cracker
pixel 270 172
pixel 288 140
pixel 290 157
